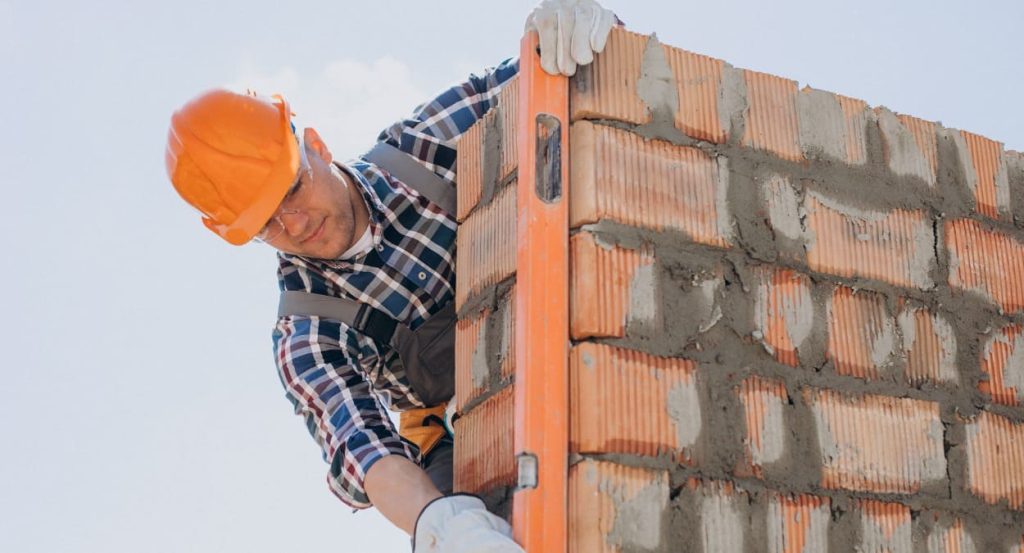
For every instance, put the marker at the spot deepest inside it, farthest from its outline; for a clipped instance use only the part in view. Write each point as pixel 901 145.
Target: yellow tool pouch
pixel 423 427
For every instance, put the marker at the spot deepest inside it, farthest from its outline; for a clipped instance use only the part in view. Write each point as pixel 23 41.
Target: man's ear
pixel 313 140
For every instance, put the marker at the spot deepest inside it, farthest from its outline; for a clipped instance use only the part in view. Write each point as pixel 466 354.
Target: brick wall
pixel 797 320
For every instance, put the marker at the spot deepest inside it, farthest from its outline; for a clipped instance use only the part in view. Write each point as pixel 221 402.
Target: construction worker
pixel 366 267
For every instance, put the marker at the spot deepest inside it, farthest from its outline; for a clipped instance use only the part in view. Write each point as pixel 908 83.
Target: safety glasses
pixel 275 226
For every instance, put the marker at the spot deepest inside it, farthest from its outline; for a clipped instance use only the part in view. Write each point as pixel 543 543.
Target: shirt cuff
pixel 351 464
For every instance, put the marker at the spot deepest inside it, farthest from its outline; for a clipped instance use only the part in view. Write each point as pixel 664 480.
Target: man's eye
pixel 294 189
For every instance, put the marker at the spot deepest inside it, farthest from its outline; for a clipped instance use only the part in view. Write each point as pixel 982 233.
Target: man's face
pixel 318 217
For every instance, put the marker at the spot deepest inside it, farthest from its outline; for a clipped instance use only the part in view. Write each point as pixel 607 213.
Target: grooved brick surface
pixel 1003 361
pixel 930 345
pixel 798 523
pixel 995 459
pixel 608 88
pixel 991 188
pixel 473 157
pixel 605 284
pixel 783 312
pixel 924 135
pixel 895 246
pixel 698 79
pixel 469 167
pixel 625 401
pixel 614 508
pixel 764 403
pixel 508 113
pixel 950 538
pixel 986 262
pixel 721 513
pixel 618 175
pixel 487 246
pixel 885 527
pixel 861 333
pixel 857 115
pixel 475 362
pixel 877 443
pixel 909 145
pixel 484 456
pixel 832 235
pixel 772 115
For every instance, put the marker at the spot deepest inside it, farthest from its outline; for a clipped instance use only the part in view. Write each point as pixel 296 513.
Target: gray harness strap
pixel 297 302
pixel 407 170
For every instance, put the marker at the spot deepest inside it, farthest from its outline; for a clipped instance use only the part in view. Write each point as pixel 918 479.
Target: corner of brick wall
pixel 485 301
pixel 797 320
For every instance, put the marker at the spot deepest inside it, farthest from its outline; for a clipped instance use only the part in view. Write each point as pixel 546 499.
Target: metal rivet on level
pixel 526 471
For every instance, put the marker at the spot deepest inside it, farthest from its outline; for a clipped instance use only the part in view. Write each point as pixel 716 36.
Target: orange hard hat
pixel 233 157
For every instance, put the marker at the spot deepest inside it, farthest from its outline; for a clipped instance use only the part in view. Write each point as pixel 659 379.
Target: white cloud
pixel 348 102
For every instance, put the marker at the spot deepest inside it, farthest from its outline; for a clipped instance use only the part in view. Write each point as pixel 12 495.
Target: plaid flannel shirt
pixel 338 379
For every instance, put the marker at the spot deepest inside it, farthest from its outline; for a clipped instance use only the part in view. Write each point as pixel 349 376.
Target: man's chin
pixel 325 253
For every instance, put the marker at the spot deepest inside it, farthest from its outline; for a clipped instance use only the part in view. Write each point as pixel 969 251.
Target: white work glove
pixel 450 415
pixel 461 524
pixel 571 32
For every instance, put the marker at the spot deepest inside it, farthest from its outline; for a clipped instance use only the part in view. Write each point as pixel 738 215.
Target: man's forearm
pixel 399 489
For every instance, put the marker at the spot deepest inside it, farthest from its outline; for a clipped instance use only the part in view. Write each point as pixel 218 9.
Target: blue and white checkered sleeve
pixel 318 363
pixel 430 133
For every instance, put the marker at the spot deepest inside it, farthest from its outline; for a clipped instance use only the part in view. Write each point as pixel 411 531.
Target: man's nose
pixel 294 222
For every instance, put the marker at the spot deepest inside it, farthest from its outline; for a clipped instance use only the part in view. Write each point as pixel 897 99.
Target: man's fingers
pixel 566 22
pixel 547 30
pixel 599 37
pixel 586 17
pixel 570 33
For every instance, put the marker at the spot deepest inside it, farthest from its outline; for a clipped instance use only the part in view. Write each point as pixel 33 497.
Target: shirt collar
pixel 374 206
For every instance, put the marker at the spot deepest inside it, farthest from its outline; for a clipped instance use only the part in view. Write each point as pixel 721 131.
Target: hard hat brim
pixel 272 191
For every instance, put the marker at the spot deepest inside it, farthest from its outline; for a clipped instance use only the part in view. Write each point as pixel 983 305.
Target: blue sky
pixel 141 408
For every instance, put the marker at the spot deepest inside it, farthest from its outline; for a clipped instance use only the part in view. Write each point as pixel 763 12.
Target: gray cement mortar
pixel 1015 176
pixel 639 519
pixel 491 154
pixel 687 531
pixel 732 103
pixel 487 360
pixel 658 90
pixel 822 125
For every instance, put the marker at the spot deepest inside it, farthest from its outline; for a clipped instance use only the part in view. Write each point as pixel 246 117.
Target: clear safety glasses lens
pixel 275 226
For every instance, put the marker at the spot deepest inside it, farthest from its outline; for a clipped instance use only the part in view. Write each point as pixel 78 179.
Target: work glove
pixel 571 32
pixel 461 524
pixel 450 415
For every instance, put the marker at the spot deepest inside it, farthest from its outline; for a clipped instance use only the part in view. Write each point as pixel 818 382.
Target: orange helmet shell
pixel 233 157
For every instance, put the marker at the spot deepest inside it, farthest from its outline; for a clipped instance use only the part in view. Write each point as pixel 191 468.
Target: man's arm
pixel 400 490
pixel 429 134
pixel 318 363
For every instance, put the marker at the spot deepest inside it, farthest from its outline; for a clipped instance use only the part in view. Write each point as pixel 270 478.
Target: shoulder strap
pixel 357 315
pixel 414 174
